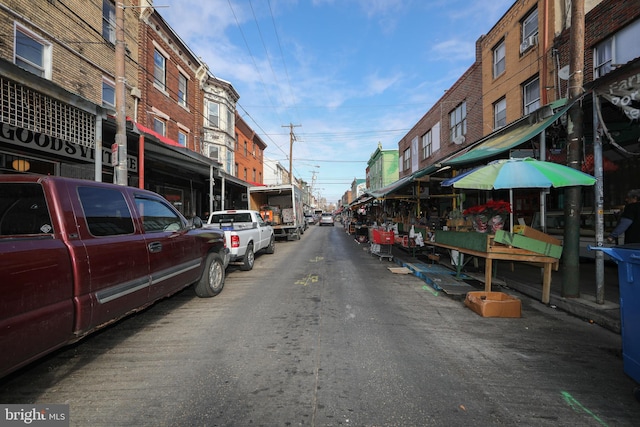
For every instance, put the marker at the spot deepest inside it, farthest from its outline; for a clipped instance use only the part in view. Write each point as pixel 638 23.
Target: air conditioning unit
pixel 458 140
pixel 528 43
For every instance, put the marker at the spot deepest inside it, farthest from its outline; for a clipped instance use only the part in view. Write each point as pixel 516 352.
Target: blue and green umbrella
pixel 520 173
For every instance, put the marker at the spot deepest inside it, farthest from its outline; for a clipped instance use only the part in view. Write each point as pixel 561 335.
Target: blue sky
pixel 351 73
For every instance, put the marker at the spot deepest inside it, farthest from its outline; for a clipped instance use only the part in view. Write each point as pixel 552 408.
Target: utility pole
pixel 292 137
pixel 120 168
pixel 573 200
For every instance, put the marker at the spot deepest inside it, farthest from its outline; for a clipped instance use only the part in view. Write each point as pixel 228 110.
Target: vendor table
pixel 482 246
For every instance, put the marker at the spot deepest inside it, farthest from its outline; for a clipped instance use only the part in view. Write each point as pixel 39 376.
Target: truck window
pixel 23 210
pixel 157 216
pixel 231 217
pixel 105 211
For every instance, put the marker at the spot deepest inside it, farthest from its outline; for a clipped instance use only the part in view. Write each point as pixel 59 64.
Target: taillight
pixel 235 241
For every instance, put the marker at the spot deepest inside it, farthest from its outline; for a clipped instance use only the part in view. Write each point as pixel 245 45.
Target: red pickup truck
pixel 76 255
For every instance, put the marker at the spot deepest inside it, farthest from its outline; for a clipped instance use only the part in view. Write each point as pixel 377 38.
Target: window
pixel 236 171
pixel 159 70
pixel 530 25
pixel 458 121
pixel 245 174
pixel 246 151
pixel 531 95
pixel 182 138
pixel 108 92
pixel 406 159
pixel 109 21
pixel 253 175
pixel 182 90
pixel 32 53
pixel 253 149
pixel 24 210
pixel 230 125
pixel 427 144
pixel 160 126
pixel 213 152
pixel 499 60
pixel 603 58
pixel 213 114
pixel 500 113
pixel 157 216
pixel 105 211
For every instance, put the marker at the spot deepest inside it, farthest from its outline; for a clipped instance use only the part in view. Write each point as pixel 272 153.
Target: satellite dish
pixel 563 73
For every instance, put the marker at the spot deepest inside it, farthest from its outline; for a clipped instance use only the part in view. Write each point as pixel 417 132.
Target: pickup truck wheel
pixel 272 246
pixel 249 258
pixel 212 280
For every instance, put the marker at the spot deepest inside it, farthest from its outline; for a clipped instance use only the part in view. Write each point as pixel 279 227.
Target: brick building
pixel 249 153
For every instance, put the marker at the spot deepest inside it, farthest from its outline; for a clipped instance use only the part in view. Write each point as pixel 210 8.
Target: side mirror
pixel 195 222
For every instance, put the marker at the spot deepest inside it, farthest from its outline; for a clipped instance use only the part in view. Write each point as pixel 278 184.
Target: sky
pixel 348 74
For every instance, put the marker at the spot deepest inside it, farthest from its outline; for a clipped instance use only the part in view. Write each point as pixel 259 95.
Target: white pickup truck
pixel 246 233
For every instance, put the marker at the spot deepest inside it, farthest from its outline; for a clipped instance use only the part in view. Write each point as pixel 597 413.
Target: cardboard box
pixel 493 304
pixel 536 234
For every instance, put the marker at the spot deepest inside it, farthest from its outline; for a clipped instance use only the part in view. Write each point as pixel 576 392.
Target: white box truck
pixel 282 206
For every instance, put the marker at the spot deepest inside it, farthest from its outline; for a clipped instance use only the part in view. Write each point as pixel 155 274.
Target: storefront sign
pixel 625 94
pixel 48 145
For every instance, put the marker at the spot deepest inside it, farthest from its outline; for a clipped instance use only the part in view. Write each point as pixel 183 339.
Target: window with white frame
pixel 32 53
pixel 230 124
pixel 213 114
pixel 182 138
pixel 531 95
pixel 214 152
pixel 182 89
pixel 603 58
pixel 621 48
pixel 500 113
pixel 499 60
pixel 427 144
pixel 530 24
pixel 160 126
pixel 159 70
pixel 109 21
pixel 406 159
pixel 458 121
pixel 108 92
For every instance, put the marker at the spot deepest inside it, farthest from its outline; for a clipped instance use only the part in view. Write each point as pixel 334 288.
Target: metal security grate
pixel 28 109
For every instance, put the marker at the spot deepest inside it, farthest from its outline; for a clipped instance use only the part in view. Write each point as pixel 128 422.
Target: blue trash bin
pixel 628 259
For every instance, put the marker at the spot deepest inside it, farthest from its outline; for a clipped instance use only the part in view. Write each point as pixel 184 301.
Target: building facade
pixel 249 153
pixel 382 168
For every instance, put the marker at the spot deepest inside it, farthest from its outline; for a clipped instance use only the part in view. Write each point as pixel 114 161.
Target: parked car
pixel 77 255
pixel 326 219
pixel 246 233
pixel 309 219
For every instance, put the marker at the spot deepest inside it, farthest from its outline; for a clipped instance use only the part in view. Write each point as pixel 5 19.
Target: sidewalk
pixel 526 279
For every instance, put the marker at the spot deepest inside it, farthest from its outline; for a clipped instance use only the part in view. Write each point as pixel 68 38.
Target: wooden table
pixel 473 245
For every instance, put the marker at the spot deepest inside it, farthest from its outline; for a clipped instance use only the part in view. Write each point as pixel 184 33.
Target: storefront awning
pixel 510 137
pixel 384 191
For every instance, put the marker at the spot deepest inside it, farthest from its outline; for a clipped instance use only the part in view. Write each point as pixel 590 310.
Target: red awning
pixel 151 132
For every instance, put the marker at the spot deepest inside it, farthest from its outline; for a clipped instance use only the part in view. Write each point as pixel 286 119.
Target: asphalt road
pixel 321 333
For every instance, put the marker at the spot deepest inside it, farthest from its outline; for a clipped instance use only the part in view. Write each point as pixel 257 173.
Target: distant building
pixel 382 168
